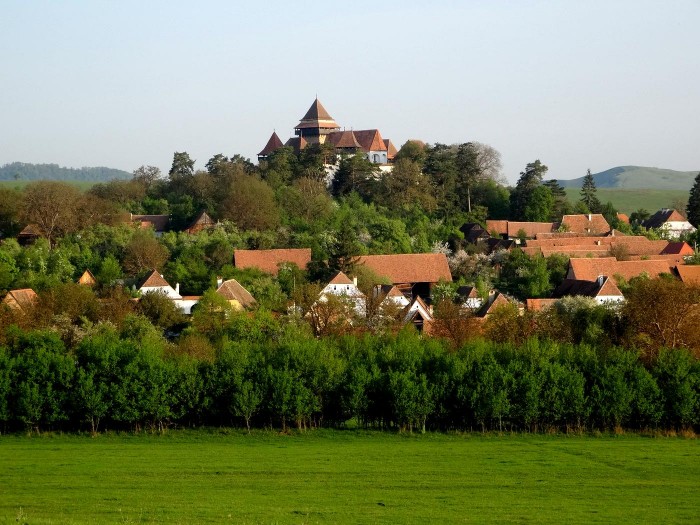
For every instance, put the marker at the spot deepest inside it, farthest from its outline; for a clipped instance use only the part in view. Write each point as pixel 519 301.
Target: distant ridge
pixel 638 178
pixel 22 171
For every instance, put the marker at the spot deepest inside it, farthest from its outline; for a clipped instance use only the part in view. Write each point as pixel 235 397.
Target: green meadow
pixel 20 184
pixel 627 201
pixel 348 477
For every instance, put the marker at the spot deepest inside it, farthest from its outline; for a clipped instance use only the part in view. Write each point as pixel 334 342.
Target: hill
pixel 627 201
pixel 22 171
pixel 638 177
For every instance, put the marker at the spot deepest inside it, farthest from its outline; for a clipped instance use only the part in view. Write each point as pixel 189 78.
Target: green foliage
pixel 589 196
pixel 529 181
pixel 693 208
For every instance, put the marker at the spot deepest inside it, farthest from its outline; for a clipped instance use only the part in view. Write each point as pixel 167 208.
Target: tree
pixel 588 194
pixel 540 205
pixel 250 203
pixel 356 174
pixel 52 207
pixel 144 252
pixel 468 172
pixel 407 186
pixel 182 168
pixel 147 176
pixel 693 208
pixel 561 205
pixel 529 180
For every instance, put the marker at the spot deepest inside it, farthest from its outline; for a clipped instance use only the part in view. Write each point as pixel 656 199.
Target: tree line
pixel 125 380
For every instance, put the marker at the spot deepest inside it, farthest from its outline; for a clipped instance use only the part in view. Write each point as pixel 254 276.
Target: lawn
pixel 348 477
pixel 628 201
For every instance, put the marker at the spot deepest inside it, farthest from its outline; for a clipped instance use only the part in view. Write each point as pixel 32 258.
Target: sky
pixel 578 85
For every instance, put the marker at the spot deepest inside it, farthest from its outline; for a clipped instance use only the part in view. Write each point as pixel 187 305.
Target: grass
pixel 348 477
pixel 627 201
pixel 82 185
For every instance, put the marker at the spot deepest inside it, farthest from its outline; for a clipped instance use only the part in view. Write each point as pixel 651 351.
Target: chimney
pixel 219 281
pixel 177 288
pixel 354 281
pixel 590 216
pixel 601 280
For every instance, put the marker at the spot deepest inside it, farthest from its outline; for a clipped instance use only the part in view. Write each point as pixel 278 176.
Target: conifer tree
pixel 529 180
pixel 693 208
pixel 588 194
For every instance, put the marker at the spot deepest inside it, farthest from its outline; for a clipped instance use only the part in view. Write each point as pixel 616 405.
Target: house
pixel 342 286
pixel 237 296
pixel 590 269
pixel 474 233
pixel 155 283
pixel 603 289
pixel 468 297
pixel 419 315
pixel 201 222
pixel 670 221
pixel 493 302
pixel 29 234
pixel 689 274
pixel 22 300
pixel 678 248
pixel 391 295
pixel 413 273
pixel 87 279
pixel 588 224
pixel 159 223
pixel 517 229
pixel 269 261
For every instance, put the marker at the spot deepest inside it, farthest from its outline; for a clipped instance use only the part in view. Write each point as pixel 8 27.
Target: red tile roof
pixel 153 280
pixel 341 278
pixel 269 260
pixel 317 117
pixel 678 248
pixel 272 145
pixel 390 148
pixel 530 228
pixel 297 143
pixel 232 290
pixel 537 305
pixel 409 267
pixel 500 227
pixel 87 279
pixel 588 288
pixel 689 273
pixel 591 269
pixel 663 216
pixel 593 223
pixel 344 139
pixel 370 140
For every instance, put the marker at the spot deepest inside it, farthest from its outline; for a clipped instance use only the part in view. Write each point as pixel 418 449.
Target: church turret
pixel 316 124
pixel 273 144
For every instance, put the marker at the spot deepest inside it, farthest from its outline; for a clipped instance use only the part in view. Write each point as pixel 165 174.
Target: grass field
pixel 628 201
pixel 348 477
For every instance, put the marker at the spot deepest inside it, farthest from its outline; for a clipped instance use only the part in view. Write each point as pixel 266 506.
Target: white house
pixel 670 221
pixel 156 283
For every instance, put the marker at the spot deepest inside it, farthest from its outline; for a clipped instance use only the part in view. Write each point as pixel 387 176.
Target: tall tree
pixel 529 180
pixel 182 168
pixel 468 172
pixel 589 194
pixel 693 208
pixel 561 205
pixel 53 207
pixel 539 207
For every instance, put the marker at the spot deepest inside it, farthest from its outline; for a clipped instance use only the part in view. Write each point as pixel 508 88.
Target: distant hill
pixel 637 178
pixel 22 171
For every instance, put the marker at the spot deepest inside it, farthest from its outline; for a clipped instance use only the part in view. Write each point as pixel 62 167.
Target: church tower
pixel 316 124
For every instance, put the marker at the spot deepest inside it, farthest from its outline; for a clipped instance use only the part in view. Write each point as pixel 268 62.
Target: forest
pixel 97 358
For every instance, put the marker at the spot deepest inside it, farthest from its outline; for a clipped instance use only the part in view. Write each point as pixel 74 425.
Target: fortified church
pixel 318 127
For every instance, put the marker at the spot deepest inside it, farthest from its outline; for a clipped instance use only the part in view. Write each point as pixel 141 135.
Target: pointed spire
pixel 273 144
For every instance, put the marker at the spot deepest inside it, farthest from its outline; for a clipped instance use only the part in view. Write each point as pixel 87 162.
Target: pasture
pixel 82 185
pixel 326 476
pixel 627 201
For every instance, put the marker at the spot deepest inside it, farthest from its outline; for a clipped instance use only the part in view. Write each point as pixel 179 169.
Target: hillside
pixel 627 201
pixel 22 171
pixel 638 177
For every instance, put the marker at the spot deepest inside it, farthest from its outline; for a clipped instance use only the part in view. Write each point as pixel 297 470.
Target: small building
pixel 419 314
pixel 587 224
pixel 156 283
pixel 342 286
pixel 413 273
pixel 272 145
pixel 29 235
pixel 87 279
pixel 159 223
pixel 586 269
pixel 21 300
pixel 201 222
pixel 238 297
pixel 669 221
pixel 603 289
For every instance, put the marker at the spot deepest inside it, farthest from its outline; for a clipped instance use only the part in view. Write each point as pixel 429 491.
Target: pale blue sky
pixel 579 85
